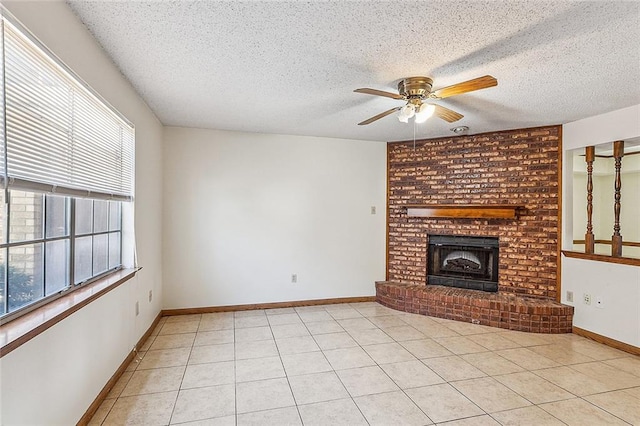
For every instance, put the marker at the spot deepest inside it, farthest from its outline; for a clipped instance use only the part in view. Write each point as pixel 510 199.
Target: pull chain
pixel 414 135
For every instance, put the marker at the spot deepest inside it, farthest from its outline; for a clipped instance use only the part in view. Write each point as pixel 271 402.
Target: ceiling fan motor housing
pixel 415 87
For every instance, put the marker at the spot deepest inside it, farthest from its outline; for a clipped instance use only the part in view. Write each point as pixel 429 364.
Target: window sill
pixel 602 258
pixel 22 329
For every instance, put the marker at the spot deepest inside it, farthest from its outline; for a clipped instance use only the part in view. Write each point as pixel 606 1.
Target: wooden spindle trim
pixel 590 153
pixel 616 238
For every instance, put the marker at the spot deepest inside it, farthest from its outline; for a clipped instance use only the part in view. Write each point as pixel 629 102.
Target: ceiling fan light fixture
pixel 406 112
pixel 416 90
pixel 424 112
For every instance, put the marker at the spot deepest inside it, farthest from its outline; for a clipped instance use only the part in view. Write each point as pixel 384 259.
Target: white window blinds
pixel 59 136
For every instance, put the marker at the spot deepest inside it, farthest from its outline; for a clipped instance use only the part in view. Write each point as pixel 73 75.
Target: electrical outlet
pixel 599 302
pixel 294 278
pixel 373 209
pixel 586 298
pixel 569 296
pixel 150 295
pixel 137 308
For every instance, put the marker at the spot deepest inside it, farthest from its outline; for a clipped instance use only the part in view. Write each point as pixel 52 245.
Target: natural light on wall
pixel 67 175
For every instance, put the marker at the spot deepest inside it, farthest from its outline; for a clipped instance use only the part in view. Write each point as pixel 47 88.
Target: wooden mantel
pixel 469 211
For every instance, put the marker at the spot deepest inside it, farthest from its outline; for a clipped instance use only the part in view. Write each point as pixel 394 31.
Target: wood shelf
pixel 467 211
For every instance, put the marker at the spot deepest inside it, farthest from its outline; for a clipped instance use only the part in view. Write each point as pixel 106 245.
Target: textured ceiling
pixel 291 67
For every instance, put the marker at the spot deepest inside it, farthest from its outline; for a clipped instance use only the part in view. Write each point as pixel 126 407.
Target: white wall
pixel 618 285
pixel 53 378
pixel 244 211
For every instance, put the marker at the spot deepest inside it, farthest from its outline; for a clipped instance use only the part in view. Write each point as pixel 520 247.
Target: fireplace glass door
pixel 464 262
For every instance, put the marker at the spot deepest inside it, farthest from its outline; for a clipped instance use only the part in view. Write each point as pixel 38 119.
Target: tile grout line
pixel 378 365
pixel 445 381
pixel 235 375
pixel 175 402
pixel 159 326
pixel 285 370
pixel 603 409
pixel 333 369
pixel 528 346
pixel 338 376
pixel 546 380
pixel 390 378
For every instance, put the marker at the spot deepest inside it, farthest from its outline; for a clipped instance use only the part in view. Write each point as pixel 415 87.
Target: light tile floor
pixel 362 363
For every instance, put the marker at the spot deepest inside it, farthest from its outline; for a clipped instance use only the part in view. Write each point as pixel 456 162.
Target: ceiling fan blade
pixel 446 114
pixel 466 86
pixel 378 93
pixel 378 117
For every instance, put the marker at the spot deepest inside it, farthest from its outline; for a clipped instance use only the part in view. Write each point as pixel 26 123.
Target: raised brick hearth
pixel 473 306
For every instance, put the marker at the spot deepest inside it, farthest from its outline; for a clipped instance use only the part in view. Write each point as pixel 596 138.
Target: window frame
pixel 71 236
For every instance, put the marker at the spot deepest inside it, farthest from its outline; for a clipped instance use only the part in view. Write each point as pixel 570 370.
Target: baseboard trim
pixel 274 305
pixel 86 418
pixel 607 341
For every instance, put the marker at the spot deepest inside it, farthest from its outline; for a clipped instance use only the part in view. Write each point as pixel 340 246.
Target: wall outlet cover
pixel 569 296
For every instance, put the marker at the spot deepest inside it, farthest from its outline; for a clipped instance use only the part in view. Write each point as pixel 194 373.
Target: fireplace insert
pixel 464 262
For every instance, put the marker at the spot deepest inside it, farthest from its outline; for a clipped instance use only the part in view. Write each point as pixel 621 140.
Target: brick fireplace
pixel 515 167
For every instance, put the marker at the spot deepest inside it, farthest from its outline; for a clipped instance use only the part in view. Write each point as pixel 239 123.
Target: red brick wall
pixel 515 166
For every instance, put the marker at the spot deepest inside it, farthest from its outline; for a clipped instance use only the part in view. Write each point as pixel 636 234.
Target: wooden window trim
pixel 24 328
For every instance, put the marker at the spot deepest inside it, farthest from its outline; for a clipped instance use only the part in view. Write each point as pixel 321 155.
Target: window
pixel 66 170
pixel 42 254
